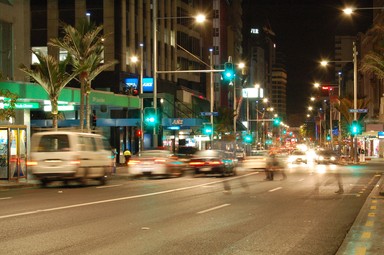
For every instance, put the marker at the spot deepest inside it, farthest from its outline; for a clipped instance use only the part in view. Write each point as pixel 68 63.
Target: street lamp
pixel 199 18
pixel 241 66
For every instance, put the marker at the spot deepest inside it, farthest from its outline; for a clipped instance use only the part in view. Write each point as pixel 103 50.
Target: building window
pixel 6 52
pixel 216 32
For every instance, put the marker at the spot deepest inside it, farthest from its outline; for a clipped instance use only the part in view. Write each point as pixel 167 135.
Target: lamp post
pixel 325 63
pixel 199 18
pixel 141 139
pixel 212 91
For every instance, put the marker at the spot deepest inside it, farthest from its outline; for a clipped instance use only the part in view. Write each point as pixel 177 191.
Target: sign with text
pixel 148 84
pixel 253 93
pixel 359 110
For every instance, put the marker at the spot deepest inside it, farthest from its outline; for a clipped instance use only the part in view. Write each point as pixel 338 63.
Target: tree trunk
pixel 81 113
pixel 88 113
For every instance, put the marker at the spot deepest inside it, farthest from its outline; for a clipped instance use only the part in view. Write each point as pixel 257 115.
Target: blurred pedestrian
pixel 274 164
pixel 127 156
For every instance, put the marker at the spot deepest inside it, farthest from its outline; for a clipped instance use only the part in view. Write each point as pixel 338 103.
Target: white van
pixel 65 155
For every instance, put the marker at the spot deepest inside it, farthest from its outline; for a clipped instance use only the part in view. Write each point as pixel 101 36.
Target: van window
pixel 53 143
pixel 87 143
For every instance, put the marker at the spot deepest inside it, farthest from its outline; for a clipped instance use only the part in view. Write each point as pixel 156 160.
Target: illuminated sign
pixel 26 105
pixel 254 30
pixel 381 134
pixel 253 93
pixel 147 84
pixel 131 82
pixel 48 108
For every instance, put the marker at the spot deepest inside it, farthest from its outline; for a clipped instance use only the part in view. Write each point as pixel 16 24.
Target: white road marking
pixel 116 199
pixel 4 198
pixel 213 208
pixel 109 186
pixel 301 180
pixel 272 190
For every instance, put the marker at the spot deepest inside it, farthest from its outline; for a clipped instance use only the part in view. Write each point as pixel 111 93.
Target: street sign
pixel 359 110
pixel 209 113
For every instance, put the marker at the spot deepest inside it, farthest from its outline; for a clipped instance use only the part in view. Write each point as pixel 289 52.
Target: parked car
pixel 327 157
pixel 156 163
pixel 257 160
pixel 65 156
pixel 213 162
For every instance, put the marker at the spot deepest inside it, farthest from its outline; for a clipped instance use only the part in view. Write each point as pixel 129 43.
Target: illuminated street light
pixel 199 18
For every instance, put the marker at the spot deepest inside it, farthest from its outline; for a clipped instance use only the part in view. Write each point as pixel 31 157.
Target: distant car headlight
pixel 321 158
pixel 333 158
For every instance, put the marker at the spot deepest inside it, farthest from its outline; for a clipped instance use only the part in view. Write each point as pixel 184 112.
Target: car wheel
pixel 44 183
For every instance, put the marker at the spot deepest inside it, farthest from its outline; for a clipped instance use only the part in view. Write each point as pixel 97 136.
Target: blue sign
pixel 131 82
pixel 359 110
pixel 380 134
pixel 209 113
pixel 147 84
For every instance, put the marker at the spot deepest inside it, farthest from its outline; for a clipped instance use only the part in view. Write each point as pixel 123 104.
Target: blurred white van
pixel 65 155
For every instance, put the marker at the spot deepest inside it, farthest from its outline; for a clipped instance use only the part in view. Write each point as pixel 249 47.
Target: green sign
pixel 23 105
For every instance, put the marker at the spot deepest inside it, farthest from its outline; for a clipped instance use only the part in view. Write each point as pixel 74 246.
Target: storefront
pixel 13 152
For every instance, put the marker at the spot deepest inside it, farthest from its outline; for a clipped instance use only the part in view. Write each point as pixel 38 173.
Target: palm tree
pixel 52 76
pixel 8 112
pixel 84 44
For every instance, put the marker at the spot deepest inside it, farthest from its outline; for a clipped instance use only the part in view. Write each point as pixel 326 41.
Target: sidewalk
pixel 366 233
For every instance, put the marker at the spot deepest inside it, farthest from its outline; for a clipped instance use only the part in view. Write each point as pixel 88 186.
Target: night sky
pixel 305 31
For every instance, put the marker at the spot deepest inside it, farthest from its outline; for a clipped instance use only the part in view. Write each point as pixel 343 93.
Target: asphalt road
pixel 204 215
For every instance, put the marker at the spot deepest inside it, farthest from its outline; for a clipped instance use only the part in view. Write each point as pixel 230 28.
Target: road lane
pixel 248 220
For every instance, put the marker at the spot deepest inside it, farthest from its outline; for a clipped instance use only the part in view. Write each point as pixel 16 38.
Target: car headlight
pixel 321 158
pixel 333 158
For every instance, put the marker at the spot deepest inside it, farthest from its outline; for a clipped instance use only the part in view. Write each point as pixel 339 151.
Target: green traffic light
pixel 150 117
pixel 229 72
pixel 355 128
pixel 248 138
pixel 276 121
pixel 207 129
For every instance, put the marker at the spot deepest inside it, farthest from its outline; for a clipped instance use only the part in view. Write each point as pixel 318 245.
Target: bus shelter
pixel 13 152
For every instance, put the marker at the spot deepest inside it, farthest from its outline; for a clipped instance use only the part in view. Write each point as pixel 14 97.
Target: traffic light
pixel 229 71
pixel 150 116
pixel 328 137
pixel 276 121
pixel 138 133
pixel 355 128
pixel 207 129
pixel 247 138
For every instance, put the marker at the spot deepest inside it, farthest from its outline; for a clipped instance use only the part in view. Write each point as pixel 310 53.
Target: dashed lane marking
pixel 213 208
pixel 366 235
pixel 272 190
pixel 369 223
pixel 109 186
pixel 5 198
pixel 360 251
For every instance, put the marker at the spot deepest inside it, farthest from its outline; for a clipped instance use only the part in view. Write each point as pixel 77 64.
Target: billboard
pixel 132 82
pixel 253 93
pixel 148 84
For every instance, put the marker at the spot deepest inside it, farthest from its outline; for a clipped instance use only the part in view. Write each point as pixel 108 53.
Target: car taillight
pixel 133 162
pixel 196 163
pixel 160 161
pixel 215 162
pixel 75 162
pixel 31 163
